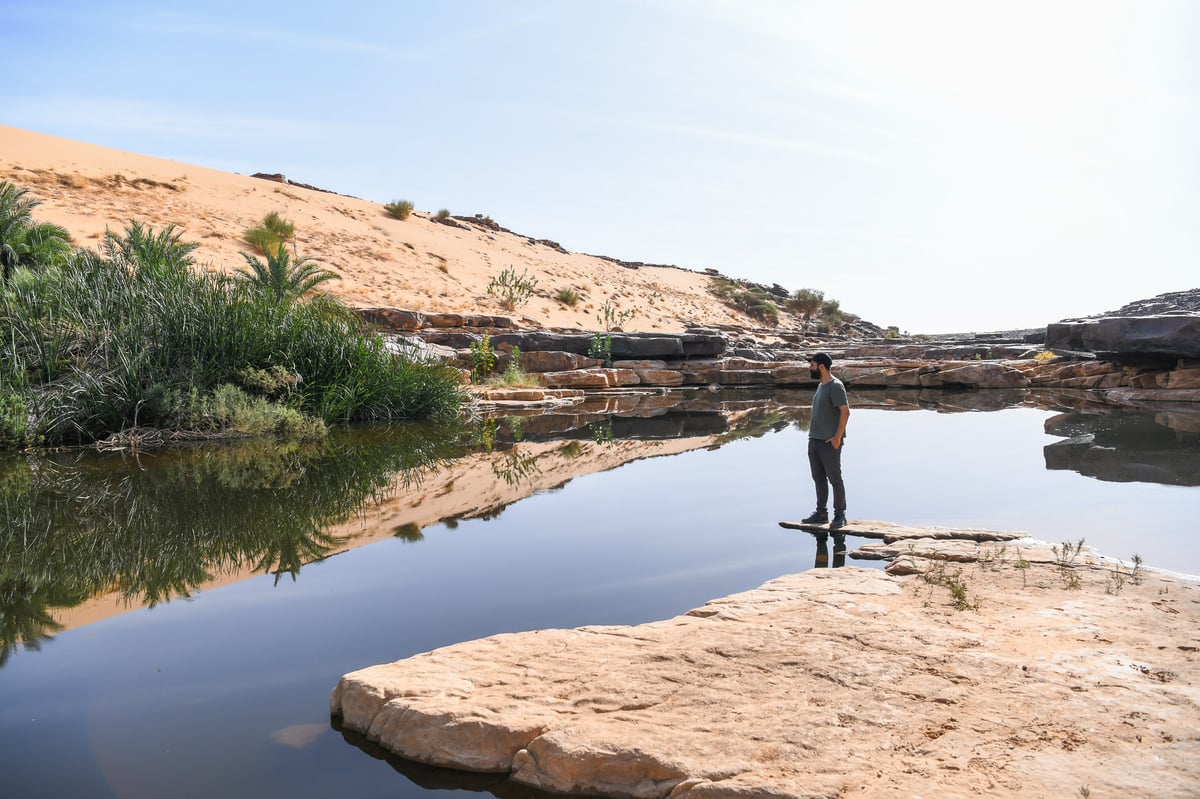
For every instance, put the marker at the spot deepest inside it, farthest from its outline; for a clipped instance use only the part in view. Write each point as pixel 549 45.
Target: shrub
pixel 443 214
pixel 610 318
pixel 567 296
pixel 268 236
pixel 752 300
pixel 512 289
pixel 400 209
pixel 601 348
pixel 483 358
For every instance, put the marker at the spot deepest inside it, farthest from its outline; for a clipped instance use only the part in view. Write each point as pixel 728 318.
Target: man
pixel 826 436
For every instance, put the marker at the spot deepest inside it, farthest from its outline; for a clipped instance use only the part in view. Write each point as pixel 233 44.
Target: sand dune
pixel 414 264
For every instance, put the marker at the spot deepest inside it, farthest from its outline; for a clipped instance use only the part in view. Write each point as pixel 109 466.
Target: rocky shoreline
pixel 917 680
pixel 1161 364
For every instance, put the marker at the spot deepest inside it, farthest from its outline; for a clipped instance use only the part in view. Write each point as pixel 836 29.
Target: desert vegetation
pixel 754 301
pixel 400 209
pixel 267 236
pixel 810 304
pixel 511 289
pixel 99 344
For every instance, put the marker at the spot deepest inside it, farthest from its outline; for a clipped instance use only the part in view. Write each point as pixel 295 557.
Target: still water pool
pixel 259 604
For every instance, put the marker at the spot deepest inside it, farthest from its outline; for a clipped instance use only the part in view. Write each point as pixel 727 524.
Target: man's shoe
pixel 817 517
pixel 839 544
pixel 839 521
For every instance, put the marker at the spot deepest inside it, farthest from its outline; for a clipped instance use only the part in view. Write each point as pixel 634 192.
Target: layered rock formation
pixel 705 357
pixel 1161 329
pixel 832 683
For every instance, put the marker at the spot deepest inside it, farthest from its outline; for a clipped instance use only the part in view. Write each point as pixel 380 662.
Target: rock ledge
pixel 832 682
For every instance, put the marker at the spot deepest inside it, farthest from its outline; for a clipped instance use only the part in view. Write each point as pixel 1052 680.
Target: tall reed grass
pixel 104 343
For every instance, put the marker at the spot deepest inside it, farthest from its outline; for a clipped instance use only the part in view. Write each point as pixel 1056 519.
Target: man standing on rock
pixel 826 435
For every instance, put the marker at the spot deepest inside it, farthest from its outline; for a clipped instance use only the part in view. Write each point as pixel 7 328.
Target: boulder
pixel 392 319
pixel 981 374
pixel 576 378
pixel 553 361
pixel 545 340
pixel 1130 338
pixel 635 346
pixel 668 378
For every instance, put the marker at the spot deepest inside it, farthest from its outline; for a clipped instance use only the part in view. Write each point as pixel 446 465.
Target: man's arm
pixel 843 418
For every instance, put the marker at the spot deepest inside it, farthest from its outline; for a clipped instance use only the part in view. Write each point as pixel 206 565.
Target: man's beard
pixel 815 374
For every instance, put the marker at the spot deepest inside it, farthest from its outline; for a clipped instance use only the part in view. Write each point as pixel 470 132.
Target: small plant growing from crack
pixel 1116 579
pixel 1065 558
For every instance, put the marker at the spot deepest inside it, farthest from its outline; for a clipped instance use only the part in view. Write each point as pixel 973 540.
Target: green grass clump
pixel 267 236
pixel 109 342
pixel 567 296
pixel 400 209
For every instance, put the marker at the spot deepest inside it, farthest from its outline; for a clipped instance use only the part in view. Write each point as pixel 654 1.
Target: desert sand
pixel 414 264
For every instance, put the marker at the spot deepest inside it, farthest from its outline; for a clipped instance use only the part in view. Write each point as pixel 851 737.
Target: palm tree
pixel 24 242
pixel 160 252
pixel 283 279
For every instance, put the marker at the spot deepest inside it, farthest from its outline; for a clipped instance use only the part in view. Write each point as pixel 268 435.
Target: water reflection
pixel 159 526
pixel 1127 446
pixel 822 559
pixel 148 529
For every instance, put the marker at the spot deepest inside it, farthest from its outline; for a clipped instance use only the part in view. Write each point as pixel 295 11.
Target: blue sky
pixel 939 166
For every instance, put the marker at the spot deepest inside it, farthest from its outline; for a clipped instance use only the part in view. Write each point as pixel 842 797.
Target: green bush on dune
pixel 133 337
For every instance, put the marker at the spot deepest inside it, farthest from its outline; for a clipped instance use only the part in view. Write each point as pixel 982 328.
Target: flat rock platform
pixel 969 668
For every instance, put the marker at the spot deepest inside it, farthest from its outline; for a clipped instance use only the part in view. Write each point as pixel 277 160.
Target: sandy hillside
pixel 415 264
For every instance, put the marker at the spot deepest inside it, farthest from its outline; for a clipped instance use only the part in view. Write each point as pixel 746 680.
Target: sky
pixel 948 166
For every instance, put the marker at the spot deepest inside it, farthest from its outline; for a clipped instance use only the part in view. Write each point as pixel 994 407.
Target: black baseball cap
pixel 822 359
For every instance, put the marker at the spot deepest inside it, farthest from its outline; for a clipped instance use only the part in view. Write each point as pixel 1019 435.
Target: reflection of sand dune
pixel 477 485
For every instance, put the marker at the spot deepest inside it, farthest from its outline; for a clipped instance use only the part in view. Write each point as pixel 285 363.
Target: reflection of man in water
pixel 826 435
pixel 822 560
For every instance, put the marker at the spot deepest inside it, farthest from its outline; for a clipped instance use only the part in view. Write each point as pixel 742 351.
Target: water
pixel 225 692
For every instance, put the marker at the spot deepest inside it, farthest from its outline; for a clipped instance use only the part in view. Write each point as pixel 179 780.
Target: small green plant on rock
pixel 601 349
pixel 514 376
pixel 512 289
pixel 1116 579
pixel 483 358
pixel 938 574
pixel 1065 558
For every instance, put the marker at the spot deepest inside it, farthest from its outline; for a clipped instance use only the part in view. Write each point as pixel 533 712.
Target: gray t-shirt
pixel 825 414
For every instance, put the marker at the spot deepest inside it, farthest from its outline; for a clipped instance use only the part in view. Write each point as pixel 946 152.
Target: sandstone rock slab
pixel 831 683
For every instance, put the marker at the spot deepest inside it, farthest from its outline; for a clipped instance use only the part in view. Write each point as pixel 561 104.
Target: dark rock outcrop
pixel 1129 339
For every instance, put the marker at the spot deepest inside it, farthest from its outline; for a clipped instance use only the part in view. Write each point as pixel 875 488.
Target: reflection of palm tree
pixel 294 549
pixel 24 618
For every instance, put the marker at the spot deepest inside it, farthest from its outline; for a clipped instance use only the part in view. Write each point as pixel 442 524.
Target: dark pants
pixel 826 464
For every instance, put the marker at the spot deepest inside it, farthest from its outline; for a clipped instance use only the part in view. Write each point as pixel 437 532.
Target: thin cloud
pixel 736 137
